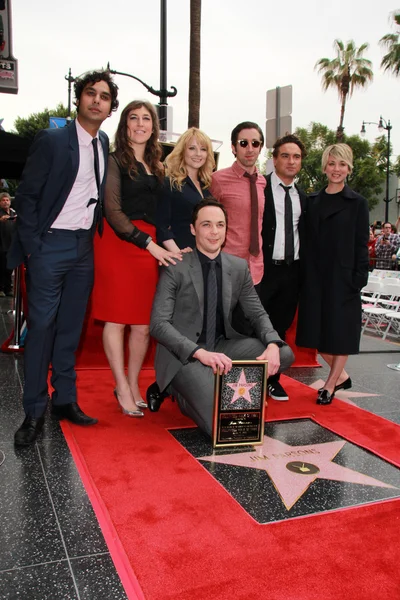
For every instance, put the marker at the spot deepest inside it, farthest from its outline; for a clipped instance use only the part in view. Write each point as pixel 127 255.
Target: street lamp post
pixel 383 125
pixel 162 94
pixel 70 80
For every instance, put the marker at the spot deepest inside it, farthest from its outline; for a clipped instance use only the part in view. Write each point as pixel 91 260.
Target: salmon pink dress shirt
pixel 232 189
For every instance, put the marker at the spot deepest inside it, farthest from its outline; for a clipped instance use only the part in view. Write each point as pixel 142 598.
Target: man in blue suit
pixel 59 205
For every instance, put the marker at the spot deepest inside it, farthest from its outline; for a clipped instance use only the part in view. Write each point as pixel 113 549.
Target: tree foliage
pixel 368 176
pixel 28 127
pixel 346 72
pixel 391 42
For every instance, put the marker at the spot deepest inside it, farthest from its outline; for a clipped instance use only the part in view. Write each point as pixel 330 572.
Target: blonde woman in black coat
pixel 335 269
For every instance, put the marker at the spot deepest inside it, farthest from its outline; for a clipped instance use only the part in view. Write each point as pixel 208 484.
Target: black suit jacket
pixel 47 180
pixel 269 222
pixel 174 212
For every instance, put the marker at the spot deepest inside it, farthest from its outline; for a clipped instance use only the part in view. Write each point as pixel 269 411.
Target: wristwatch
pixel 147 242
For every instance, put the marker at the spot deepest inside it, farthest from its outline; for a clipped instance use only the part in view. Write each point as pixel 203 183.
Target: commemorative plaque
pixel 239 404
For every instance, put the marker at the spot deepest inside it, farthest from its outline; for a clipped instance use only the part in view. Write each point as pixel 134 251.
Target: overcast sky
pixel 248 47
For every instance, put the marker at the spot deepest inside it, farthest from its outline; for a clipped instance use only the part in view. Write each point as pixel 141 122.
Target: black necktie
pixel 99 209
pixel 289 235
pixel 254 248
pixel 211 306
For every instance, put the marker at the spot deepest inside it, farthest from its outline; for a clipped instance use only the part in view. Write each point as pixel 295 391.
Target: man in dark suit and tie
pixel 192 319
pixel 282 234
pixel 59 205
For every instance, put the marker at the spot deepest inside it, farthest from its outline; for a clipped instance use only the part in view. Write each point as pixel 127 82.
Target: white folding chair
pixel 371 292
pixel 374 319
pixel 393 321
pixel 389 294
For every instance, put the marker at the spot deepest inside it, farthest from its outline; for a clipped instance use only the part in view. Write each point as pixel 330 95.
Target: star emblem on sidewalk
pixel 241 388
pixel 292 469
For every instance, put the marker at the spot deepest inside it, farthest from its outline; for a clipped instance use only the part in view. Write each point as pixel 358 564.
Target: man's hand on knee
pixel 214 360
pixel 271 354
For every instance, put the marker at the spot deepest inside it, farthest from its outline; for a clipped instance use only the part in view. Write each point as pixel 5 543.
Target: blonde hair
pixel 175 162
pixel 340 151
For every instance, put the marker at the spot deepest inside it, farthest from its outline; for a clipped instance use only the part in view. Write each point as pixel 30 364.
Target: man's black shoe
pixel 276 391
pixel 154 397
pixel 73 413
pixel 28 432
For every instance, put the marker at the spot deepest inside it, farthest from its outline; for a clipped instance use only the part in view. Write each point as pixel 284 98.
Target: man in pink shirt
pixel 240 188
pixel 59 206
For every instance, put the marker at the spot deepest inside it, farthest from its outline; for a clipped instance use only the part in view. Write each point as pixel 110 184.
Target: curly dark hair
pixel 95 77
pixel 289 138
pixel 153 150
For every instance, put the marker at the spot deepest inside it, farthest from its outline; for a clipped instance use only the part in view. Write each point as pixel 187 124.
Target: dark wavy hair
pixel 95 77
pixel 289 138
pixel 153 150
pixel 209 201
pixel 245 125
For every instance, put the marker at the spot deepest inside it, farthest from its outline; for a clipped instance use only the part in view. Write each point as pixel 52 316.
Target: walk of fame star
pixel 287 466
pixel 241 388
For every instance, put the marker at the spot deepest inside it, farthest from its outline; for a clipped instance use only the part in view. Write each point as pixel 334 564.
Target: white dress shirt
pixel 75 213
pixel 278 194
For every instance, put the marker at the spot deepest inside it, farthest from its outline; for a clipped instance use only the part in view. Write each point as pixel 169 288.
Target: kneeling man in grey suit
pixel 192 319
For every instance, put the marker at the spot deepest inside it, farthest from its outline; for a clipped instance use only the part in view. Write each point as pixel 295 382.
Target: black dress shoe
pixel 154 397
pixel 345 385
pixel 29 430
pixel 73 413
pixel 324 397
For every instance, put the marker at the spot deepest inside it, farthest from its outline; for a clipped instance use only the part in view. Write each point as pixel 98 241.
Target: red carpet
pixel 187 539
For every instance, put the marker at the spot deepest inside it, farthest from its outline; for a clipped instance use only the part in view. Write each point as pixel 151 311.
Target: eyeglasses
pixel 245 143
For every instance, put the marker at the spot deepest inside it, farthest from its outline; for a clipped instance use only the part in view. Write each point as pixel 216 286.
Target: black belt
pixel 286 263
pixel 71 232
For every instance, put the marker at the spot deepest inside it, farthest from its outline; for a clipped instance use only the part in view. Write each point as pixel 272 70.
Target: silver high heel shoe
pixel 142 404
pixel 129 413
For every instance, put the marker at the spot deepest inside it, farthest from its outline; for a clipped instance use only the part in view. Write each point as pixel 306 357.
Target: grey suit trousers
pixel 193 385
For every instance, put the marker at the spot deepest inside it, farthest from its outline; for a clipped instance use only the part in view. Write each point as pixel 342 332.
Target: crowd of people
pixel 212 264
pixel 384 246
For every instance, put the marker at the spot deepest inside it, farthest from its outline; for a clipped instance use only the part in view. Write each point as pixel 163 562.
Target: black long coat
pixel 335 269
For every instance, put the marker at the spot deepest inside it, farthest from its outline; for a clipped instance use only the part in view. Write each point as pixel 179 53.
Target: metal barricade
pixel 13 343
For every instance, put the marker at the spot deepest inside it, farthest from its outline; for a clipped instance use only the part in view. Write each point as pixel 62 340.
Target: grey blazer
pixel 178 308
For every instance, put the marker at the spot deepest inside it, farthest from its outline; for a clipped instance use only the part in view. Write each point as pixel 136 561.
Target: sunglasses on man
pixel 245 143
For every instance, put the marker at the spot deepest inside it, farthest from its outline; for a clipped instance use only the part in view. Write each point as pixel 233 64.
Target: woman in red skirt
pixel 126 257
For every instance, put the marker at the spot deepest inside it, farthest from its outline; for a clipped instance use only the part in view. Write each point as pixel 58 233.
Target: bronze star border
pixel 302 469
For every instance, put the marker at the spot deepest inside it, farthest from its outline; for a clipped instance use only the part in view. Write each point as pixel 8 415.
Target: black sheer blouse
pixel 128 200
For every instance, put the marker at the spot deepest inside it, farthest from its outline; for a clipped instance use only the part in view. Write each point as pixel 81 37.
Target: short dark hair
pixel 245 125
pixel 95 77
pixel 289 139
pixel 209 201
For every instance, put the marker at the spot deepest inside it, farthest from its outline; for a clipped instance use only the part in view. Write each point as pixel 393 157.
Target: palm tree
pixel 346 72
pixel 391 41
pixel 194 63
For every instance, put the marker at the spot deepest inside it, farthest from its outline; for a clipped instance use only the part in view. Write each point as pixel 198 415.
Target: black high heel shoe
pixel 128 413
pixel 324 397
pixel 345 385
